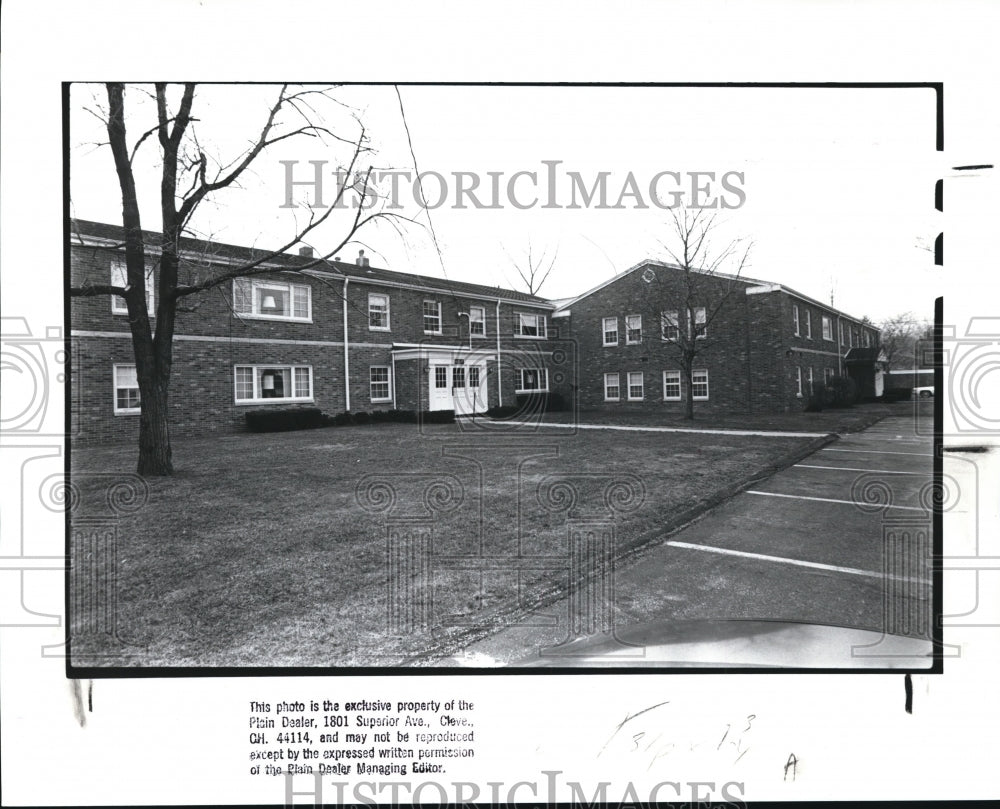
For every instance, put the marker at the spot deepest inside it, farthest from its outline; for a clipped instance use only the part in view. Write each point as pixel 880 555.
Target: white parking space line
pixel 879 452
pixel 853 571
pixel 831 500
pixel 857 469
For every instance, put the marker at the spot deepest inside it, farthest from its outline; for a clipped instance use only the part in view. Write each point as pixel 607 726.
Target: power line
pixel 416 168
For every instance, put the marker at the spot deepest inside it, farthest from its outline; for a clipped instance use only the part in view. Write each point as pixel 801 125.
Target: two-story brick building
pixel 346 336
pixel 340 336
pixel 759 347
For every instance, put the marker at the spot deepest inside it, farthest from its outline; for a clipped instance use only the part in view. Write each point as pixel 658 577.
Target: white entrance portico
pixel 455 377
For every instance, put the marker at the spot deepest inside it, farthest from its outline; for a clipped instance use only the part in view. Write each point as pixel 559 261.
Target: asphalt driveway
pixel 828 540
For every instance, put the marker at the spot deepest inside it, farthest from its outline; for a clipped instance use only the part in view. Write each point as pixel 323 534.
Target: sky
pixel 835 185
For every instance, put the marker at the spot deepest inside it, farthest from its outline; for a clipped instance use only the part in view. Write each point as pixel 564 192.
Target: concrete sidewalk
pixel 794 547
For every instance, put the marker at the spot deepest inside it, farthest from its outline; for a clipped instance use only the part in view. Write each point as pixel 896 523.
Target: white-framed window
pixel 526 325
pixel 828 374
pixel 609 327
pixel 119 278
pixel 827 328
pixel 477 321
pixel 809 325
pixel 126 385
pixel 612 388
pixel 841 330
pixel 378 311
pixel 532 380
pixel 671 386
pixel 474 376
pixel 798 381
pixel 699 385
pixel 633 330
pixel 810 380
pixel 635 386
pixel 458 376
pixel 440 376
pixel 868 338
pixel 795 318
pixel 272 300
pixel 272 384
pixel 432 317
pixel 669 329
pixel 379 390
pixel 700 322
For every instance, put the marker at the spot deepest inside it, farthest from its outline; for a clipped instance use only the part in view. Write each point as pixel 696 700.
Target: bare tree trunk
pixel 155 456
pixel 689 399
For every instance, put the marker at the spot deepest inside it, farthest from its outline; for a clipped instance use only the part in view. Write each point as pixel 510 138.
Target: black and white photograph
pixel 378 376
pixel 440 404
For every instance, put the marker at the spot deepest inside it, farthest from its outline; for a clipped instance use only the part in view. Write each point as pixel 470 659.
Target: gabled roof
pixel 768 287
pixel 565 304
pixel 754 286
pixel 220 251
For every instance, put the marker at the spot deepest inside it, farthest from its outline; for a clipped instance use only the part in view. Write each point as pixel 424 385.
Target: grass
pixel 258 553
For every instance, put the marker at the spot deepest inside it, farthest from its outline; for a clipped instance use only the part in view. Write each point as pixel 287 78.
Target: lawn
pixel 271 549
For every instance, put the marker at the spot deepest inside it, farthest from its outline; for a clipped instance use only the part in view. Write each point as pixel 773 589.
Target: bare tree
pixel 534 270
pixel 689 301
pixel 899 338
pixel 183 162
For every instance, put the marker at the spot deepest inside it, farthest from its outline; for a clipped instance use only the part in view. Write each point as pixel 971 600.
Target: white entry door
pixel 439 387
pixel 461 388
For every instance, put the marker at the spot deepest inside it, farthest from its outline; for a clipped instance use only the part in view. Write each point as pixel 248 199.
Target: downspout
pixel 746 312
pixel 392 381
pixel 347 360
pixel 840 346
pixel 499 387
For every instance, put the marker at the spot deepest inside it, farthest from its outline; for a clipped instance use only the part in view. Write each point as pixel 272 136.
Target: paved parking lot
pixel 795 547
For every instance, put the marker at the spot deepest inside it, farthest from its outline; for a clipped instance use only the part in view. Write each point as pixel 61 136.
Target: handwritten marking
pixel 629 718
pixel 791 764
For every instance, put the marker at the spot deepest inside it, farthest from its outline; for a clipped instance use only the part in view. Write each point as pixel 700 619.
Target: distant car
pixel 924 392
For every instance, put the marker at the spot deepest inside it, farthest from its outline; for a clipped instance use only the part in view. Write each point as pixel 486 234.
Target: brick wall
pixel 202 390
pixel 723 353
pixel 210 340
pixel 778 354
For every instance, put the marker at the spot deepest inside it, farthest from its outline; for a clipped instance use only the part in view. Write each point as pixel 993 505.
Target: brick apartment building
pixel 761 347
pixel 347 336
pixel 339 336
